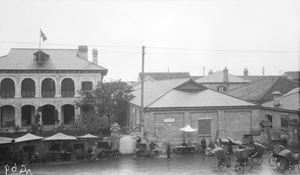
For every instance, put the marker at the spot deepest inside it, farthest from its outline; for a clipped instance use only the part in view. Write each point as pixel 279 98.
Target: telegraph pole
pixel 142 88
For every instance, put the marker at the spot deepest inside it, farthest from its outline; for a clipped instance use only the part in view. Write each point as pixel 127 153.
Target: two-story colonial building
pixel 48 78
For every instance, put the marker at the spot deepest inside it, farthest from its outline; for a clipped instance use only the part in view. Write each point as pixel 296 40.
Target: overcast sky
pixel 179 35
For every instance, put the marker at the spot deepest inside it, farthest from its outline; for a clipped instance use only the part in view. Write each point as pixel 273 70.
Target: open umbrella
pixel 88 136
pixel 59 136
pixel 27 138
pixel 5 140
pixel 167 143
pixel 152 139
pixel 188 129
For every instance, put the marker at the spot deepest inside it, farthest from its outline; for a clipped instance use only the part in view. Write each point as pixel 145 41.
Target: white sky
pixel 179 35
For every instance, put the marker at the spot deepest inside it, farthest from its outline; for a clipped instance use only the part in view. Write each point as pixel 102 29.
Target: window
pixel 221 88
pixel 28 88
pixel 204 127
pixel 67 89
pixel 48 88
pixel 7 88
pixel 87 86
pixel 284 122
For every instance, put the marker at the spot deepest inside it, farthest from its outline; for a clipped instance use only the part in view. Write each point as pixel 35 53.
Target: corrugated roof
pixel 60 59
pixel 261 90
pixel 289 101
pixel 218 77
pixel 163 94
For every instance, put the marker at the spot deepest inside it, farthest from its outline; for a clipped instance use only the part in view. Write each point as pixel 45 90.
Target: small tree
pixel 56 120
pixel 107 99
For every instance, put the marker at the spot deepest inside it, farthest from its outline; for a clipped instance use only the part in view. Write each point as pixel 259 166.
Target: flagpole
pixel 40 45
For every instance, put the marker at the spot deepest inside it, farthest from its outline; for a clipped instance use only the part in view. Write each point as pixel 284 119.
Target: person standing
pixel 203 145
pixel 95 151
pixel 168 152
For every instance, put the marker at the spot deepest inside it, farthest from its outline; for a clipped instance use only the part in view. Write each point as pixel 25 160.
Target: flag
pixel 43 36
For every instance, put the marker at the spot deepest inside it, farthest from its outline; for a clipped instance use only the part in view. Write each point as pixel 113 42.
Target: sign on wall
pixel 169 120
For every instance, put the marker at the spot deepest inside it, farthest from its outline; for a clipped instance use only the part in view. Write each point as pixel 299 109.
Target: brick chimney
pixel 276 98
pixel 225 75
pixel 82 52
pixel 245 72
pixel 95 56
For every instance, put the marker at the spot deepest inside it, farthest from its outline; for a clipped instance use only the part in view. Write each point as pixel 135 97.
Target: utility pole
pixel 142 88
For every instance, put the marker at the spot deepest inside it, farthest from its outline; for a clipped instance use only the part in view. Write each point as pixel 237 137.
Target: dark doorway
pixel 48 115
pixel 68 113
pixel 27 115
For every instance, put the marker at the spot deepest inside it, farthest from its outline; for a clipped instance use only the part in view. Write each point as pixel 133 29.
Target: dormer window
pixel 40 57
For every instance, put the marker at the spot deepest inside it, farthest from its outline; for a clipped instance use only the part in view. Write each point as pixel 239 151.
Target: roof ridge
pixel 264 94
pixel 166 93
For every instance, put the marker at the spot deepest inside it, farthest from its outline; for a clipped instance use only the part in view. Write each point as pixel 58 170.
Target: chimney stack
pixel 82 52
pixel 210 72
pixel 95 56
pixel 245 72
pixel 225 75
pixel 276 98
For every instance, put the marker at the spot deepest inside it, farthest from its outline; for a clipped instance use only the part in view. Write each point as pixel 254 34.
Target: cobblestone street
pixel 126 165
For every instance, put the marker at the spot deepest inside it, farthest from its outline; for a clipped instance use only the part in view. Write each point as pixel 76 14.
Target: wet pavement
pixel 127 165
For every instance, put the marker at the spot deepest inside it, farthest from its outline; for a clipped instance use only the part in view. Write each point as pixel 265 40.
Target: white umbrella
pixel 59 136
pixel 27 137
pixel 5 140
pixel 188 128
pixel 88 136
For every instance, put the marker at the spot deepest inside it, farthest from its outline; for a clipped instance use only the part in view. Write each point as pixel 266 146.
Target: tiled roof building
pixel 50 79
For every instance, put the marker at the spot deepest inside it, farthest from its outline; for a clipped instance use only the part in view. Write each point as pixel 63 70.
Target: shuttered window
pixel 204 127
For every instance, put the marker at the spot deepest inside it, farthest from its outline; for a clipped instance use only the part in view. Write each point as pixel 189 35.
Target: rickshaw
pixel 243 161
pixel 257 154
pixel 274 158
pixel 220 155
pixel 288 161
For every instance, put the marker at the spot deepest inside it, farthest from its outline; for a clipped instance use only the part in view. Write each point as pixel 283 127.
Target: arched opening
pixel 67 88
pixel 68 113
pixel 28 88
pixel 48 115
pixel 48 88
pixel 28 112
pixel 7 114
pixel 7 88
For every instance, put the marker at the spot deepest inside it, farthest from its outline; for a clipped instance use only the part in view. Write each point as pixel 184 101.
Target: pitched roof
pixel 295 75
pixel 253 78
pixel 218 77
pixel 183 93
pixel 166 75
pixel 60 59
pixel 289 101
pixel 261 91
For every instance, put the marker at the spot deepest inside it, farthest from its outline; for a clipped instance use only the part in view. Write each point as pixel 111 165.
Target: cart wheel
pixel 272 160
pixel 292 167
pixel 248 165
pixel 221 165
pixel 239 167
pixel 257 160
pixel 277 162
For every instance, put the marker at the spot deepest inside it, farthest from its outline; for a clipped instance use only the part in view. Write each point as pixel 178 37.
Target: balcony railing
pixel 28 94
pixel 7 94
pixel 48 93
pixel 67 93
